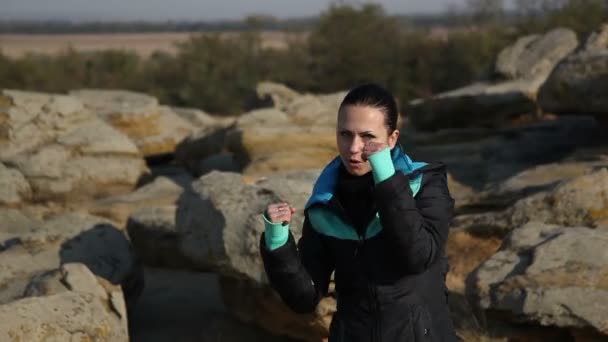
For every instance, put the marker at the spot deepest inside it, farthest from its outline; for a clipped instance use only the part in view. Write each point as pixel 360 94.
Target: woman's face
pixel 358 125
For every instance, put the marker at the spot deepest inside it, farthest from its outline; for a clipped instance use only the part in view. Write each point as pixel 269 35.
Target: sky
pixel 207 10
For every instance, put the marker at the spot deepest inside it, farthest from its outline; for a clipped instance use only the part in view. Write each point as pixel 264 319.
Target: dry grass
pixel 144 44
pixel 465 253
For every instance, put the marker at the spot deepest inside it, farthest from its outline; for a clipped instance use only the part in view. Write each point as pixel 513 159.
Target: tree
pixel 485 11
pixel 350 45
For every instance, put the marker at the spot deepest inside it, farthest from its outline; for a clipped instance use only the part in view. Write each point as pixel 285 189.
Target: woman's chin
pixel 357 169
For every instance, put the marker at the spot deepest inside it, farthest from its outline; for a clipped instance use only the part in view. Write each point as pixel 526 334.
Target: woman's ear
pixel 393 138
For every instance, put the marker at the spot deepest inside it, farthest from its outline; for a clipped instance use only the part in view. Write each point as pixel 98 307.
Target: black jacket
pixel 390 283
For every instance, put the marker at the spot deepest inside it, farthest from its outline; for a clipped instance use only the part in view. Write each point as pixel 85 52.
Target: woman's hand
pixel 372 147
pixel 280 212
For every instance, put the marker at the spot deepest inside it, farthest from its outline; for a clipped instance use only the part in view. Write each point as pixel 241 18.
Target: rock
pixel 481 104
pixel 250 303
pixel 13 186
pixel 201 120
pixel 266 150
pixel 220 225
pixel 64 152
pixel 280 94
pixel 69 238
pixel 13 224
pixel 579 83
pixel 597 40
pixel 546 274
pixel 155 129
pixel 67 304
pixel 220 220
pixel 579 201
pixel 518 149
pixel 536 55
pixel 162 191
pixel 225 162
pixel 535 179
pixel 268 117
pixel 315 110
pixel 155 239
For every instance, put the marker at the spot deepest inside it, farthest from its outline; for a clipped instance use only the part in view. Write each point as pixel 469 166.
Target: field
pixel 144 44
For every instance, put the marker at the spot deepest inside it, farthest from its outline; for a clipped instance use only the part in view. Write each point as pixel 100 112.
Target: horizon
pixel 196 10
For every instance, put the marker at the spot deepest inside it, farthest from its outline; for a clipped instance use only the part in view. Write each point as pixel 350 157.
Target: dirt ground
pixel 144 44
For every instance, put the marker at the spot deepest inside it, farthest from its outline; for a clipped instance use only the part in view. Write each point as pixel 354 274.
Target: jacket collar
pixel 325 185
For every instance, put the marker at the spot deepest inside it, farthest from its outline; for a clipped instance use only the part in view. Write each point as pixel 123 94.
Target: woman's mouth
pixel 355 163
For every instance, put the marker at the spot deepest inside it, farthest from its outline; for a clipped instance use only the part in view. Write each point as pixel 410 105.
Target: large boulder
pixel 476 105
pixel 303 109
pixel 37 247
pixel 220 225
pixel 536 55
pixel 579 84
pixel 62 149
pixel 547 274
pixel 264 150
pixel 155 129
pixel 66 304
pixel 297 133
pixel 160 192
pixel 578 201
pixel 155 238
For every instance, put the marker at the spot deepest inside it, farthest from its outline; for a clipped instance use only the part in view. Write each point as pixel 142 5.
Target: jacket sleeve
pixel 416 230
pixel 300 275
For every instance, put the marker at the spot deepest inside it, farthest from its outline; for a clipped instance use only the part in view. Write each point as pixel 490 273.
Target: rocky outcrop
pixel 297 133
pixel 155 238
pixel 220 226
pixel 536 55
pixel 66 304
pixel 33 247
pixel 526 65
pixel 160 192
pixel 579 84
pixel 481 104
pixel 579 201
pixel 155 129
pixel 547 274
pixel 62 150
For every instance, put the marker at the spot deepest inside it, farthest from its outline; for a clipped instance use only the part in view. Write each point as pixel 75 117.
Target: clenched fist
pixel 280 212
pixel 372 147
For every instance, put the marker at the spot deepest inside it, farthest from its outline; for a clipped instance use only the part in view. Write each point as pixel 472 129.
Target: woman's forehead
pixel 361 117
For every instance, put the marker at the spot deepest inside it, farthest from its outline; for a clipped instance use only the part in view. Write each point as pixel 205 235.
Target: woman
pixel 377 219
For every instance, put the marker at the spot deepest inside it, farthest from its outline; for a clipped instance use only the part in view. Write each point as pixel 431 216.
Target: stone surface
pixel 67 304
pixel 13 186
pixel 155 239
pixel 220 225
pixel 476 105
pixel 579 83
pixel 155 129
pixel 547 274
pixel 161 191
pixel 63 151
pixel 69 238
pixel 536 55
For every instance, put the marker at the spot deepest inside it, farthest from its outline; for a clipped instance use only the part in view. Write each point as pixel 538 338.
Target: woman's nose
pixel 356 145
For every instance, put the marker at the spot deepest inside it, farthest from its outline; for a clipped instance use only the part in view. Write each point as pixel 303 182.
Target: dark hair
pixel 373 95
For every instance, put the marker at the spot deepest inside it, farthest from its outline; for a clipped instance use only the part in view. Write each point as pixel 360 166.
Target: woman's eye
pixel 368 137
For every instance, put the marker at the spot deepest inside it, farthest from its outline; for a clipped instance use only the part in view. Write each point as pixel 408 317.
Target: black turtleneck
pixel 355 194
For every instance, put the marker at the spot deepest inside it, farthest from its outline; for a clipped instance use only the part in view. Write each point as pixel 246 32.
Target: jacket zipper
pixel 371 289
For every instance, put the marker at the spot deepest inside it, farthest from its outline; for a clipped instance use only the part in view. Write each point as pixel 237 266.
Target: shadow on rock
pixel 105 250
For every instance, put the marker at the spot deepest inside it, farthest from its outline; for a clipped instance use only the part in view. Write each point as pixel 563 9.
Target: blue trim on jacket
pixel 325 185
